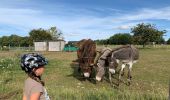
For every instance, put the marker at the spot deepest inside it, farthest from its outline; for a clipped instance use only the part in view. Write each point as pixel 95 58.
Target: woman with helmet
pixel 33 64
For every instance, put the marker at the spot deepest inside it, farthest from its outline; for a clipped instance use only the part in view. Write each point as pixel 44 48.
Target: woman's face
pixel 39 71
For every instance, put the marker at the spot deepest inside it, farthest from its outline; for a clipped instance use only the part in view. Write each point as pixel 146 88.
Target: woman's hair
pixel 36 78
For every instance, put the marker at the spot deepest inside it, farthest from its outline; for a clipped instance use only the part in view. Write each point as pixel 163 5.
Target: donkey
pixel 86 55
pixel 125 55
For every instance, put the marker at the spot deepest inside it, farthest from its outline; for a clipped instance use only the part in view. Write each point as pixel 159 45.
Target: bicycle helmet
pixel 32 60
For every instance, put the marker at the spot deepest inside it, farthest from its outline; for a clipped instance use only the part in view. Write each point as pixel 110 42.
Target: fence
pixel 17 48
pixel 98 47
pixel 138 46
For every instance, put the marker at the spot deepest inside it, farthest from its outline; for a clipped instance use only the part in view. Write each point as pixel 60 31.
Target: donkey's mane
pixel 87 48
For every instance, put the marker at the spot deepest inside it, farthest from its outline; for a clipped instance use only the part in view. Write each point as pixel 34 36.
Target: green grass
pixel 150 78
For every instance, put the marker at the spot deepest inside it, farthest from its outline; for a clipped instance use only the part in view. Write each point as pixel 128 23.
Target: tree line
pixel 142 34
pixel 34 35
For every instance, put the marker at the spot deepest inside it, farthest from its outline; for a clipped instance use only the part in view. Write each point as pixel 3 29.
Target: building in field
pixel 40 46
pixel 49 45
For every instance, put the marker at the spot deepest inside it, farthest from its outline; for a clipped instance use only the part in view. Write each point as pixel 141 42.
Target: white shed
pixel 40 46
pixel 56 45
pixel 50 45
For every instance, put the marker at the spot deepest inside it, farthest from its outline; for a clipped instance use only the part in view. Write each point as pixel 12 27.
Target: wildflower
pixel 78 86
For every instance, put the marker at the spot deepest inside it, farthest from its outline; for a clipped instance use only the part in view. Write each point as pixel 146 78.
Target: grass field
pixel 151 76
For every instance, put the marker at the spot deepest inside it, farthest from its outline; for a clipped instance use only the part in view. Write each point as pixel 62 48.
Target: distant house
pixel 49 45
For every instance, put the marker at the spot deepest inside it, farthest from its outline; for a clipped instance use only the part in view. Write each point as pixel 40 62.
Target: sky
pixel 82 19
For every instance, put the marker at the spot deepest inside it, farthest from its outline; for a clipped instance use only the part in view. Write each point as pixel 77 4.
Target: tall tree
pixel 168 41
pixel 40 35
pixel 102 42
pixel 5 41
pixel 25 42
pixel 14 40
pixel 144 33
pixel 55 33
pixel 120 38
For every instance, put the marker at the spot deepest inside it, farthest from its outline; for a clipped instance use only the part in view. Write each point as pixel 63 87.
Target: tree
pixel 120 38
pixel 40 35
pixel 161 40
pixel 144 33
pixel 5 41
pixel 0 42
pixel 25 42
pixel 14 40
pixel 168 41
pixel 102 42
pixel 55 33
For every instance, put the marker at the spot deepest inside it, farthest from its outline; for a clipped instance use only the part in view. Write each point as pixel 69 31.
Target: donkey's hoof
pixel 122 74
pixel 115 87
pixel 129 82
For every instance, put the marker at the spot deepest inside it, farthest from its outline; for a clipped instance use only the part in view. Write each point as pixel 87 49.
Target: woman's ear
pixel 34 69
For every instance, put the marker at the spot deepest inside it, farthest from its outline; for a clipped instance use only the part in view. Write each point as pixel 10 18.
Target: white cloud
pixel 18 11
pixel 145 14
pixel 72 34
pixel 123 27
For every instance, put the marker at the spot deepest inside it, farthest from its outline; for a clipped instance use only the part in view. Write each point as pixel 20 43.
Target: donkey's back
pixel 126 54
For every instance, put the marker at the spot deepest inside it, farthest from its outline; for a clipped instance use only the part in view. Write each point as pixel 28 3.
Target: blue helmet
pixel 32 60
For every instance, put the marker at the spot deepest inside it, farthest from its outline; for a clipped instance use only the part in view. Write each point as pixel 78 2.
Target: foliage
pixel 55 33
pixel 40 35
pixel 120 38
pixel 161 40
pixel 4 41
pixel 168 41
pixel 14 41
pixel 34 35
pixel 144 33
pixel 103 42
pixel 25 42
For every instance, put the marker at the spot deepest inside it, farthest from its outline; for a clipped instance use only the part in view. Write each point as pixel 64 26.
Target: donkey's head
pixel 87 56
pixel 113 64
pixel 86 69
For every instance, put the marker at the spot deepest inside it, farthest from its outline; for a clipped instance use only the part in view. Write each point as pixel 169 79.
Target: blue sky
pixel 79 19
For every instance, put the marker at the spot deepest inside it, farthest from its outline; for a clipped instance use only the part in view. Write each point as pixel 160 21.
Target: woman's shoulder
pixel 32 86
pixel 31 82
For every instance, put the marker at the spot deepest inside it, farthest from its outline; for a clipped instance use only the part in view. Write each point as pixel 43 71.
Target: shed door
pixel 54 46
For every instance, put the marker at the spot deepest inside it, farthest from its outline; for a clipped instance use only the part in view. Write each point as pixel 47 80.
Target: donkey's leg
pixel 123 72
pixel 110 78
pixel 100 70
pixel 129 72
pixel 120 73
